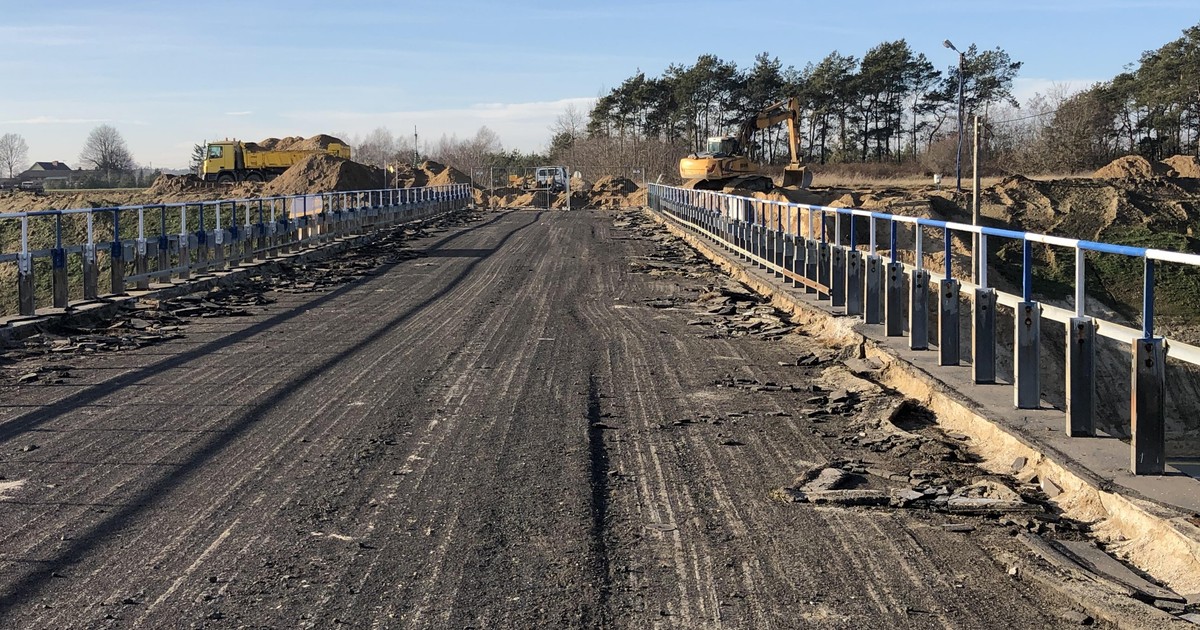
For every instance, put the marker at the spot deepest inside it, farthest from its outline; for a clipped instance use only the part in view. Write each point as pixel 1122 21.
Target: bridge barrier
pixel 161 242
pixel 820 248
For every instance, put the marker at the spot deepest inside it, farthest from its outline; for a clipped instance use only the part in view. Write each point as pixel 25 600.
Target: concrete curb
pixel 1156 537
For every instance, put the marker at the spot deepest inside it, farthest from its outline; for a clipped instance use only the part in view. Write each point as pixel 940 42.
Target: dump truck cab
pixel 220 157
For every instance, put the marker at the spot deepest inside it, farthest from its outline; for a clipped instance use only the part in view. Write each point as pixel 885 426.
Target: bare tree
pixel 105 151
pixel 377 148
pixel 13 152
pixel 466 154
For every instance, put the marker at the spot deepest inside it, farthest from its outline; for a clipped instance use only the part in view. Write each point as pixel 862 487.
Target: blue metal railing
pixel 770 231
pixel 208 237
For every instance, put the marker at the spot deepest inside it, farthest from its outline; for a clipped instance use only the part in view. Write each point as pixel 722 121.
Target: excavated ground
pixel 537 419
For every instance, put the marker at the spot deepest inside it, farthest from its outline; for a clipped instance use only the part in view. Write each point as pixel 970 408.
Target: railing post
pixel 58 259
pixel 117 257
pixel 141 264
pixel 91 271
pixel 26 296
pixel 854 272
pixel 202 247
pixel 983 337
pixel 185 238
pixel 1148 399
pixel 1081 361
pixel 873 306
pixel 164 247
pixel 894 309
pixel 823 260
pixel 1026 373
pixel 837 275
pixel 787 244
pixel 918 297
pixel 948 322
pixel 219 242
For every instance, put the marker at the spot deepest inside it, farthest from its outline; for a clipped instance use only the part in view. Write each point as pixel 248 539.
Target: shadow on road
pixel 23 589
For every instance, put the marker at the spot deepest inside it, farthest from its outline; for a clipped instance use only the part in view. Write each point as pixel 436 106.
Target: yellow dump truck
pixel 232 161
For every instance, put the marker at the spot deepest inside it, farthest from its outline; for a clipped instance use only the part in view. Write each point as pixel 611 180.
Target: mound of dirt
pixel 321 172
pixel 609 185
pixel 295 143
pixel 1133 167
pixel 442 175
pixel 1184 165
pixel 166 184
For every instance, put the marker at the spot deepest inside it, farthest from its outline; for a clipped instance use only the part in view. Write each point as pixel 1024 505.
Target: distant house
pixel 53 174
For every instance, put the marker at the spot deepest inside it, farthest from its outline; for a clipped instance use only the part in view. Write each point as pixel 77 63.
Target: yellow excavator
pixel 724 163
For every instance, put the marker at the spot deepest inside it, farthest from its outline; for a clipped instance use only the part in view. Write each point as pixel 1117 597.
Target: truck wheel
pixel 254 177
pixel 226 178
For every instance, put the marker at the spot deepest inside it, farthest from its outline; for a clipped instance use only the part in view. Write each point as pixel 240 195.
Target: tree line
pixel 893 104
pixel 887 105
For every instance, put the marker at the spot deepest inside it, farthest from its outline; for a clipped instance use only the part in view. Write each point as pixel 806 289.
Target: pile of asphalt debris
pixel 42 357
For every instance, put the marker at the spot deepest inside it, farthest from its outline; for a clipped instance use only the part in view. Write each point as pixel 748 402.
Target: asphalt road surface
pixel 533 425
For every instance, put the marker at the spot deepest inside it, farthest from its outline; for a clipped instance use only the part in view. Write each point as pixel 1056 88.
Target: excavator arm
pixel 785 110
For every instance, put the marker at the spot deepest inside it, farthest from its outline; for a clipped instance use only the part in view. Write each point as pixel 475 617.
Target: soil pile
pixel 320 172
pixel 295 143
pixel 428 173
pixel 615 192
pixel 1184 165
pixel 1133 167
pixel 174 184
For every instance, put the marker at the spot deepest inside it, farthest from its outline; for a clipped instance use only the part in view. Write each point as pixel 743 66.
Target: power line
pixel 999 122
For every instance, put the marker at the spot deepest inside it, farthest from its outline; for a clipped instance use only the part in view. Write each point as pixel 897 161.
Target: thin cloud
pixel 242 113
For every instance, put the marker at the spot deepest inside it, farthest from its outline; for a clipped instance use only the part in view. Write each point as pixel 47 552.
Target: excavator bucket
pixel 796 176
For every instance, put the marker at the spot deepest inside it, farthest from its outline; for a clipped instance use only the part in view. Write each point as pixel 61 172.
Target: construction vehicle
pixel 232 161
pixel 725 163
pixel 552 178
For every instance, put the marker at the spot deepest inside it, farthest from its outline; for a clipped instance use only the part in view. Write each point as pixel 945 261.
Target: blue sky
pixel 171 74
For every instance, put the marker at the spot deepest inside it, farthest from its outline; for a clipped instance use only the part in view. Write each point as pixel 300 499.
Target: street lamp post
pixel 958 156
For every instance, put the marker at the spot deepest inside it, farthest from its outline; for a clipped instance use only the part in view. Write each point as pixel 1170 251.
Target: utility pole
pixel 958 155
pixel 416 153
pixel 977 264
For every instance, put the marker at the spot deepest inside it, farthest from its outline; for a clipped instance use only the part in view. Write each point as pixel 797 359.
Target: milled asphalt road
pixel 501 434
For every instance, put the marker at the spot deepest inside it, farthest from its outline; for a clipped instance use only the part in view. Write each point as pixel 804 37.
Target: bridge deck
pixel 503 433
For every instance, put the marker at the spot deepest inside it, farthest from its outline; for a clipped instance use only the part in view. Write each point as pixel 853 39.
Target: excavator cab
pixel 723 146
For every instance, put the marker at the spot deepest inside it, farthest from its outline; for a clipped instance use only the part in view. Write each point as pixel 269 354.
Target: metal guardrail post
pixel 873 309
pixel 91 271
pixel 58 262
pixel 787 244
pixel 1081 361
pixel 164 247
pixel 117 256
pixel 26 300
pixel 823 261
pixel 800 252
pixel 141 262
pixel 185 245
pixel 202 245
pixel 1027 348
pixel 837 278
pixel 894 310
pixel 918 297
pixel 1081 382
pixel 983 336
pixel 948 322
pixel 854 272
pixel 218 243
pixel 777 242
pixel 873 301
pixel 1148 401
